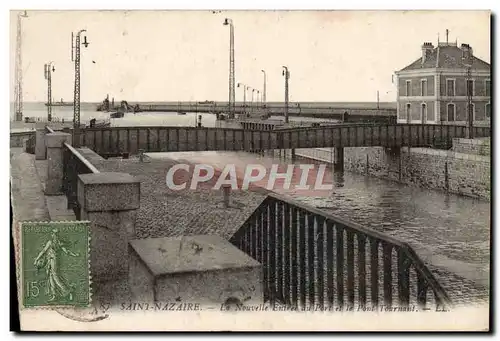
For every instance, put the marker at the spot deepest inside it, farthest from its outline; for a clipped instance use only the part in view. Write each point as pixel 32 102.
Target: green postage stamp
pixel 55 269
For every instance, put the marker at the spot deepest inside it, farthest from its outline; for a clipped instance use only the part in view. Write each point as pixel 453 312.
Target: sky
pixel 334 56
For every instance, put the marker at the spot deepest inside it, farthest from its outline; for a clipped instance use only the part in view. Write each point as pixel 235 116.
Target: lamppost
pixel 247 88
pixel 18 90
pixel 229 22
pixel 75 56
pixel 253 91
pixel 467 60
pixel 470 114
pixel 244 95
pixel 48 69
pixel 286 73
pixel 264 89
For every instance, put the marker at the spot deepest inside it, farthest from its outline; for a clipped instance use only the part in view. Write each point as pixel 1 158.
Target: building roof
pixel 446 57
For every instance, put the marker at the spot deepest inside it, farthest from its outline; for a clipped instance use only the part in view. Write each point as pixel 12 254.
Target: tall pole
pixel 470 113
pixel 49 68
pixel 378 100
pixel 18 89
pixel 244 95
pixel 229 22
pixel 264 89
pixel 76 93
pixel 286 73
pixel 246 89
pixel 467 60
pixel 253 90
pixel 49 94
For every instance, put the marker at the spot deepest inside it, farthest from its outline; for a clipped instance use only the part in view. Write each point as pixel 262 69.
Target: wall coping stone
pixel 452 154
pixel 90 155
pixel 108 178
pixel 480 141
pixel 56 139
pixel 108 191
pixel 184 254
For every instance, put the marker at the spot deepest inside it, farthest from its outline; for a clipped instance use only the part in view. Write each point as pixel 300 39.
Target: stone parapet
pixel 110 202
pixel 55 143
pixel 40 145
pixel 108 192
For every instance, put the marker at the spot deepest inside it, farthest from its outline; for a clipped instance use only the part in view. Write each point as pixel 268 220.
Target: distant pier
pixel 351 112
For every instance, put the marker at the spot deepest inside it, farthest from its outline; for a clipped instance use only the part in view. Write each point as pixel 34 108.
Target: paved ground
pixel 167 213
pixel 27 192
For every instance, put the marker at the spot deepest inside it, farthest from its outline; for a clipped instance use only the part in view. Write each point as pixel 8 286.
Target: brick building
pixel 434 88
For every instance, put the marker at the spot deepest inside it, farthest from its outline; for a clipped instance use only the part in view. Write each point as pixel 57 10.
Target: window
pixel 408 112
pixel 487 111
pixel 423 87
pixel 470 87
pixel 450 87
pixel 487 87
pixel 408 88
pixel 470 108
pixel 423 112
pixel 451 112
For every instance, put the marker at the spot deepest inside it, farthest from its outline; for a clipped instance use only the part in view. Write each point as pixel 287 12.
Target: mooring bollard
pixel 226 189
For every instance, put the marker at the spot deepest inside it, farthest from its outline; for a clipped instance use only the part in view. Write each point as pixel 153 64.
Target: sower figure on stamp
pixel 48 258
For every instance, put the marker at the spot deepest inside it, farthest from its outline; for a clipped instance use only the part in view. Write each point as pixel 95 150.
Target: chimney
pixel 427 49
pixel 467 54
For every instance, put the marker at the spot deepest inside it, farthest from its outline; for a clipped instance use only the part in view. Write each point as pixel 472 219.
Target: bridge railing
pixel 120 140
pixel 387 135
pixel 311 258
pixel 73 165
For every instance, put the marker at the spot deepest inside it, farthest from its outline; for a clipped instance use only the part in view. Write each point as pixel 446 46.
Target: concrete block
pixel 40 146
pixel 54 143
pixel 108 191
pixel 110 201
pixel 193 269
pixel 110 234
pixel 57 139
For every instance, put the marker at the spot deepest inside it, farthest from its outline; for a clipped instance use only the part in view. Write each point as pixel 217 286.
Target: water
pixel 87 112
pixel 452 227
pixel 433 221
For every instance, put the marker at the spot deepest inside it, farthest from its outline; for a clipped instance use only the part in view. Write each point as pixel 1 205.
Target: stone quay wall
pixel 18 139
pixel 451 171
pixel 459 173
pixel 480 146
